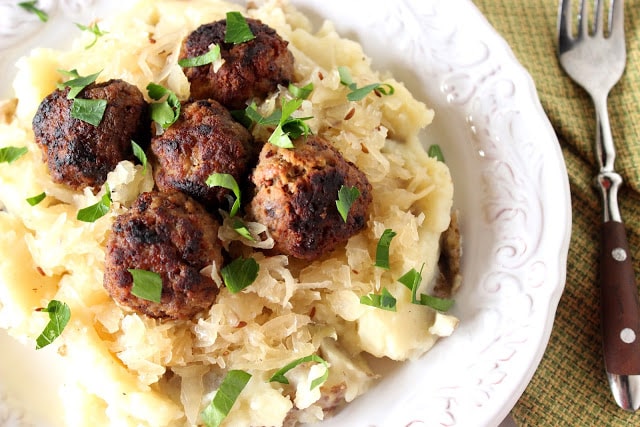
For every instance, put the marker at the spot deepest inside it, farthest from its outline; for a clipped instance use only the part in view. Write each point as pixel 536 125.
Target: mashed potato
pixel 131 370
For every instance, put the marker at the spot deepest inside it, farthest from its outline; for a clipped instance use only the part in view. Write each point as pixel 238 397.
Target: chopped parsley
pixel 232 385
pixel 97 210
pixel 11 154
pixel 87 110
pixel 94 29
pixel 140 155
pixel 412 280
pixel 210 57
pixel 382 249
pixel 146 284
pixel 300 92
pixel 227 181
pixel 59 315
pixel 167 111
pixel 346 197
pixel 36 199
pixel 240 273
pixel 280 375
pixel 287 127
pixel 357 93
pixel 238 30
pixel 384 300
pixel 435 151
pixel 30 6
pixel 242 230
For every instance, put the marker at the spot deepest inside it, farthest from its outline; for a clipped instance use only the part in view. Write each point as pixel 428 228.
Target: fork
pixel 595 59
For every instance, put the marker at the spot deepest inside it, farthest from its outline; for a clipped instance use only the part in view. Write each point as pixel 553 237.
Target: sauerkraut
pixel 131 370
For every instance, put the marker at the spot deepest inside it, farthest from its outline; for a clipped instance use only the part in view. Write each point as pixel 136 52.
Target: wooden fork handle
pixel 619 300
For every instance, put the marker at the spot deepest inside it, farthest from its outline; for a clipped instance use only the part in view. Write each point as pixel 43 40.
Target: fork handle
pixel 619 300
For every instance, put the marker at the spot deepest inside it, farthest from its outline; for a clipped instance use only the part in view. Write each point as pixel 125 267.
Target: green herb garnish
pixel 242 230
pixel 384 300
pixel 36 199
pixel 146 284
pixel 95 30
pixel 11 154
pixel 280 375
pixel 382 250
pixel 357 93
pixel 59 315
pixel 289 127
pixel 227 181
pixel 412 280
pixel 140 155
pixel 346 197
pixel 30 6
pixel 89 110
pixel 77 83
pixel 300 92
pixel 166 112
pixel 238 30
pixel 210 57
pixel 240 273
pixel 435 151
pixel 97 210
pixel 232 385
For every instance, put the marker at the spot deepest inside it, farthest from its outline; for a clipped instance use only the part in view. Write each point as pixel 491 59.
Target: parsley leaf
pixel 280 375
pixel 382 249
pixel 59 315
pixel 140 155
pixel 232 385
pixel 242 230
pixel 146 284
pixel 210 57
pixel 384 300
pixel 435 151
pixel 164 113
pixel 227 181
pixel 300 92
pixel 77 83
pixel 357 93
pixel 89 110
pixel 95 30
pixel 30 6
pixel 346 197
pixel 36 199
pixel 97 210
pixel 238 30
pixel 239 274
pixel 11 154
pixel 412 280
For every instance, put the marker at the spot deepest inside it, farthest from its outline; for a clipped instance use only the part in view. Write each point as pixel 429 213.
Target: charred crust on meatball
pixel 172 235
pixel 252 69
pixel 204 140
pixel 80 154
pixel 295 197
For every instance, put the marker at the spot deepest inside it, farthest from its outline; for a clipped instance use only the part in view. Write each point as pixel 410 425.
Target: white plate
pixel 511 189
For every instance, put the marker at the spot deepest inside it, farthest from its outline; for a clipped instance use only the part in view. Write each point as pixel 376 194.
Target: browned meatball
pixel 80 154
pixel 204 140
pixel 169 234
pixel 296 193
pixel 250 70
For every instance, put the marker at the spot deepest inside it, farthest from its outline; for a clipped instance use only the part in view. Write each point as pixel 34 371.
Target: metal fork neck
pixel 608 181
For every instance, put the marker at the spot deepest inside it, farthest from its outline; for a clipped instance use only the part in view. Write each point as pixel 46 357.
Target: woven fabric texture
pixel 570 386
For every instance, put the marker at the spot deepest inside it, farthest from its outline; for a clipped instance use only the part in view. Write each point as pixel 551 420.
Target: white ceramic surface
pixel 511 189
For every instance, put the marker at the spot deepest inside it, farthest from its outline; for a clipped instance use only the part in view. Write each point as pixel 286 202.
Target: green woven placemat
pixel 570 386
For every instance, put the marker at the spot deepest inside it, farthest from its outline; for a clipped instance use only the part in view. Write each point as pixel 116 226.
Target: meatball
pixel 172 235
pixel 204 140
pixel 250 70
pixel 295 197
pixel 80 154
